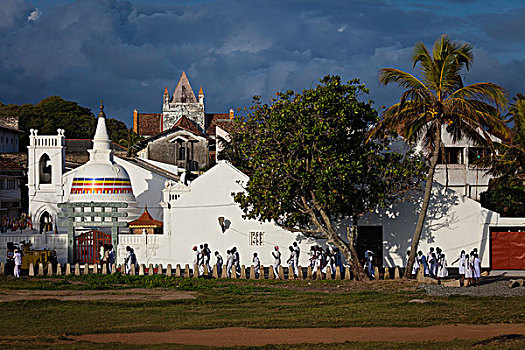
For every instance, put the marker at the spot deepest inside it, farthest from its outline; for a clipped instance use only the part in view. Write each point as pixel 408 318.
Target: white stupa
pixel 101 179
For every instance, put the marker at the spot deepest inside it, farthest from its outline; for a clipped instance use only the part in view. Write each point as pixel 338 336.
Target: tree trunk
pixel 359 271
pixel 426 200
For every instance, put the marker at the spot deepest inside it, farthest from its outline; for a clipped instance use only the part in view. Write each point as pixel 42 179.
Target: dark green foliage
pixel 508 199
pixel 54 113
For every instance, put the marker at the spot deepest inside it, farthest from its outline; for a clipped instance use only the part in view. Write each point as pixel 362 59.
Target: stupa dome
pixel 101 179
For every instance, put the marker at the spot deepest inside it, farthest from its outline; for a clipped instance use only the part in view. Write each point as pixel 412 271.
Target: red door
pixel 508 250
pixel 88 245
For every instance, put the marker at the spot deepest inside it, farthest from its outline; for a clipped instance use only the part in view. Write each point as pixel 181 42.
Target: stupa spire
pixel 101 151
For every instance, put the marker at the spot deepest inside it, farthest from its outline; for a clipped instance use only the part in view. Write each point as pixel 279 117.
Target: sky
pixel 126 52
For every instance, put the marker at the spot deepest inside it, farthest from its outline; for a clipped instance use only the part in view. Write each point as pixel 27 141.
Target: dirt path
pixel 259 337
pixel 134 294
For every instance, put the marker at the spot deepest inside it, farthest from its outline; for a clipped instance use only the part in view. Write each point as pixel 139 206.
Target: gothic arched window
pixel 45 169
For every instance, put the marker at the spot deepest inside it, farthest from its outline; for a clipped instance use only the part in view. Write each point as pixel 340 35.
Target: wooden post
pixel 104 269
pixel 59 269
pixel 421 274
pixel 68 269
pixel 168 271
pixel 215 272
pixel 113 269
pixel 206 272
pixel 2 268
pixel 337 273
pixel 95 269
pixel 50 269
pixel 281 272
pixel 261 273
pixel 31 270
pixel 133 270
pixel 309 272
pixel 396 273
pixel 387 273
pixel 319 274
pixel 77 269
pixel 376 273
pixel 300 275
pixel 224 272
pixel 178 273
pixel 348 274
pixel 328 273
pixel 40 269
pixel 141 270
pixel 86 269
pixel 271 273
pixel 187 271
pixel 151 270
pixel 234 272
pixel 243 272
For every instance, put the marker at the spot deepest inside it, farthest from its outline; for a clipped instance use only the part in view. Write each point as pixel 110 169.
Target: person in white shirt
pixel 18 262
pixel 197 260
pixel 461 268
pixel 256 265
pixel 468 270
pixel 442 271
pixel 297 251
pixel 276 261
pixel 229 263
pixel 291 263
pixel 476 269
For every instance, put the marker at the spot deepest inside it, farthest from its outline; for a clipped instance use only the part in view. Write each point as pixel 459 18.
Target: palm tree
pixel 438 99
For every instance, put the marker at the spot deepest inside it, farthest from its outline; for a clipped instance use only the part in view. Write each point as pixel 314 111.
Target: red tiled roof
pixel 7 164
pixel 145 220
pixel 149 123
pixel 186 124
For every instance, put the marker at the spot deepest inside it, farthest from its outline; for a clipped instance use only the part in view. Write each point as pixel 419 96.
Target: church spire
pixel 184 92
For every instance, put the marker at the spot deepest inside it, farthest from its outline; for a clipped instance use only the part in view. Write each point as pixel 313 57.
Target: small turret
pixel 166 97
pixel 201 97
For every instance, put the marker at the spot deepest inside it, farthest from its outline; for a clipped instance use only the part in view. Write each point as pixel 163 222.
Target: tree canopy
pixel 54 112
pixel 310 165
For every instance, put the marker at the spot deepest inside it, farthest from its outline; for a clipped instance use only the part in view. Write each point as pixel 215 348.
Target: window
pixel 453 155
pixel 45 169
pixel 182 152
pixel 11 184
pixel 476 153
pixel 256 238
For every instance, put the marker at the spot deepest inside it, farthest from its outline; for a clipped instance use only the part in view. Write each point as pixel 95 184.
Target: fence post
pixel 261 274
pixel 169 273
pixel 113 269
pixel 178 273
pixel 195 271
pixel 252 272
pixel 206 272
pixel 86 269
pixel 215 272
pixel 224 272
pixel 40 269
pixel 77 269
pixel 2 268
pixel 243 272
pixel 68 269
pixel 234 272
pixel 31 270
pixel 281 272
pixel 318 274
pixel 50 269
pixel 421 274
pixel 376 273
pixel 337 272
pixel 59 269
pixel 141 270
pixel 133 270
pixel 271 273
pixel 396 273
pixel 104 269
pixel 328 273
pixel 348 275
pixel 95 269
pixel 187 273
pixel 387 273
pixel 151 271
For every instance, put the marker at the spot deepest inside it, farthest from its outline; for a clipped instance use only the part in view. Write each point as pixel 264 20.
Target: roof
pixel 10 128
pixel 149 123
pixel 212 118
pixel 10 165
pixel 183 92
pixel 145 220
pixel 186 124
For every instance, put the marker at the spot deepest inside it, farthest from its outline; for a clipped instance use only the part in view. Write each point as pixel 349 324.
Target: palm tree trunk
pixel 426 200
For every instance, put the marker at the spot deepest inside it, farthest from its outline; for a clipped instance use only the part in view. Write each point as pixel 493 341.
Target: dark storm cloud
pixel 126 52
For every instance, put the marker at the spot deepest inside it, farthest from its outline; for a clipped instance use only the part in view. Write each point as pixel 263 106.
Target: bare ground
pixel 136 294
pixel 236 336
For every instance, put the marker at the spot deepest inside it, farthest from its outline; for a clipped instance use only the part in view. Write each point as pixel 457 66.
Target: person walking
pixel 276 261
pixel 442 271
pixel 423 263
pixel 461 268
pixel 18 262
pixel 219 263
pixel 256 265
pixel 206 254
pixel 297 251
pixel 291 263
pixel 197 260
pixel 127 260
pixel 111 258
pixel 416 265
pixel 369 256
pixel 476 269
pixel 236 261
pixel 468 270
pixel 229 263
pixel 101 252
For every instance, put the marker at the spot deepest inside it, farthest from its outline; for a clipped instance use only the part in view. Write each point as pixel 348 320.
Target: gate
pixel 88 244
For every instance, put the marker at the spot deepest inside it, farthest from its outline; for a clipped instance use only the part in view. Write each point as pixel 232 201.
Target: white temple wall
pixel 52 241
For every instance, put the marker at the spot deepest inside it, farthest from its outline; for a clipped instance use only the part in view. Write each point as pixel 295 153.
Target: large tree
pixel 439 99
pixel 310 165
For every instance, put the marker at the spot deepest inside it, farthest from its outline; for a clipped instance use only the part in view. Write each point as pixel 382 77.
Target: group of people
pixel 106 256
pixel 321 259
pixel 469 267
pixel 434 264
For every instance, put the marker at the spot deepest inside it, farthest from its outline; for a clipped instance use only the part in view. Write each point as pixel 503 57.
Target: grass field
pixel 242 303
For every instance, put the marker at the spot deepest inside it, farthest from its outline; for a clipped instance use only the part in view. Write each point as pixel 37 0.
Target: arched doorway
pixel 46 222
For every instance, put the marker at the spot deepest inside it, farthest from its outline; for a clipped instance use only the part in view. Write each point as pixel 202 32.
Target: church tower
pixel 183 103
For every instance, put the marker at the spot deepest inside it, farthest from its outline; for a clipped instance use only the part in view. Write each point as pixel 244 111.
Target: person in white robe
pixel 256 265
pixel 476 269
pixel 291 263
pixel 468 270
pixel 18 262
pixel 276 254
pixel 461 268
pixel 229 263
pixel 442 271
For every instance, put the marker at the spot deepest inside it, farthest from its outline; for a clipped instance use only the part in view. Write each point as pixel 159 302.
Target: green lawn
pixel 225 303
